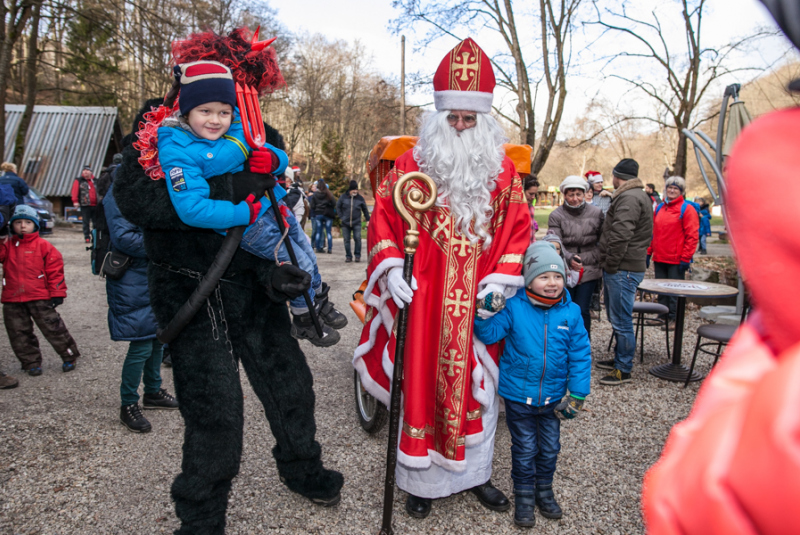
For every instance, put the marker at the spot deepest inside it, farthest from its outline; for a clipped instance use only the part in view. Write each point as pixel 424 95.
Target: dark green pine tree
pixel 332 164
pixel 93 58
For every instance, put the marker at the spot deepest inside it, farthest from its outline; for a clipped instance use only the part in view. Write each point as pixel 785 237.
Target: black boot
pixel 131 417
pixel 546 501
pixel 524 506
pixel 323 488
pixel 160 400
pixel 327 312
pixel 418 507
pixel 303 329
pixel 491 497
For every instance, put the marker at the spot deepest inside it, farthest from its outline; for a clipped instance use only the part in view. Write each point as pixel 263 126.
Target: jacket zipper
pixel 351 210
pixel 544 367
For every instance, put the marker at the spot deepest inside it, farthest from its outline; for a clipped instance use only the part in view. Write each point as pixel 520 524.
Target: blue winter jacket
pixel 546 352
pixel 705 222
pixel 188 160
pixel 129 314
pixel 19 186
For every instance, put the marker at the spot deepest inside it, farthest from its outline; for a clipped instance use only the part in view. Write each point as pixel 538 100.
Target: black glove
pixel 247 183
pixel 291 280
pixel 683 267
pixel 55 301
pixel 647 262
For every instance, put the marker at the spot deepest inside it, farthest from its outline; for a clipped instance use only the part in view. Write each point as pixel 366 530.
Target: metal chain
pixel 224 322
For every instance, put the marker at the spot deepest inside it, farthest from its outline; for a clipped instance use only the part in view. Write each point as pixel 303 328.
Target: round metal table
pixel 675 371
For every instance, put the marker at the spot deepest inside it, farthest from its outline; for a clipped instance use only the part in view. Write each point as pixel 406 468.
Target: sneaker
pixel 303 329
pixel 669 325
pixel 6 381
pixel 358 259
pixel 348 260
pixel 160 400
pixel 131 417
pixel 703 252
pixel 616 378
pixel 34 372
pixel 68 366
pixel 327 312
pixel 330 252
pixel 605 364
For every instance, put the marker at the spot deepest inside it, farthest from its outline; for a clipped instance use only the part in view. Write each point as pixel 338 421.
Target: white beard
pixel 465 167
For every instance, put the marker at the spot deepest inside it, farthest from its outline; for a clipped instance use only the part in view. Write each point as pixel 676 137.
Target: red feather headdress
pixel 251 62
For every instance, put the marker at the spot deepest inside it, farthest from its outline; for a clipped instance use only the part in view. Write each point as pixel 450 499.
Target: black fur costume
pixel 206 369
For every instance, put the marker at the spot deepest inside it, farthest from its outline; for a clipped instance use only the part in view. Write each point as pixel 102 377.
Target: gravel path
pixel 68 466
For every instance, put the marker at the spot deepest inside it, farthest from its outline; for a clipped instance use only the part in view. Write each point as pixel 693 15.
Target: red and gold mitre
pixel 464 79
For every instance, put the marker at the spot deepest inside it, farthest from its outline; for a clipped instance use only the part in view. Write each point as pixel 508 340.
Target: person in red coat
pixel 33 286
pixel 84 194
pixel 675 234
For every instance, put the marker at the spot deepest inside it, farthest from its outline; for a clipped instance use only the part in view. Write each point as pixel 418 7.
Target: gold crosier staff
pixel 415 199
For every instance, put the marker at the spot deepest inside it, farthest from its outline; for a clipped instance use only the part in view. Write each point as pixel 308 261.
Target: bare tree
pixel 30 82
pixel 13 16
pixel 556 22
pixel 687 74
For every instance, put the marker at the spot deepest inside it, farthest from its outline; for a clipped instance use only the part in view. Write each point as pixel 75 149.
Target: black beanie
pixel 204 81
pixel 626 169
pixel 353 185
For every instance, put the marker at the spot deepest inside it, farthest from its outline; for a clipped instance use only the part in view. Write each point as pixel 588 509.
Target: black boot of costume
pixel 303 329
pixel 302 472
pixel 327 312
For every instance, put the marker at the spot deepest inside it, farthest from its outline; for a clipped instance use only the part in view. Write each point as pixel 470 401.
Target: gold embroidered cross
pixel 458 303
pixel 465 66
pixel 451 363
pixel 442 226
pixel 463 245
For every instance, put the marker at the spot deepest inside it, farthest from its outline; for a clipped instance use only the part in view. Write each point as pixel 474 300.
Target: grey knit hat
pixel 676 181
pixel 541 257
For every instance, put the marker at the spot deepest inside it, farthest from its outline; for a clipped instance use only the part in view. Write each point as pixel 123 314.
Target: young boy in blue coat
pixel 546 353
pixel 705 224
pixel 207 140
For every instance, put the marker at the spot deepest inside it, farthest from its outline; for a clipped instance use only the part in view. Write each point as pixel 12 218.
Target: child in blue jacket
pixel 705 224
pixel 546 353
pixel 206 140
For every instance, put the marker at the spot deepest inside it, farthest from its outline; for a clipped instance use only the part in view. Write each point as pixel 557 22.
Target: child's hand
pixel 569 407
pixel 55 301
pixel 254 206
pixel 261 161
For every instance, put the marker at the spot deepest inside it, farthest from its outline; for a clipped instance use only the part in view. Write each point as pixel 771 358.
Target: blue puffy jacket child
pixel 705 224
pixel 546 353
pixel 207 140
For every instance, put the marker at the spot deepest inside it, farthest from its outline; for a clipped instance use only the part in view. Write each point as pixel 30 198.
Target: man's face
pixel 617 182
pixel 530 193
pixel 462 120
pixel 648 190
pixel 86 174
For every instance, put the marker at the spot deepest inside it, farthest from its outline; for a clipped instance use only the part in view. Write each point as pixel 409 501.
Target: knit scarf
pixel 542 300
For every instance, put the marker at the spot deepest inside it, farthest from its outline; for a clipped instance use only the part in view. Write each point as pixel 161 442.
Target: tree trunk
pixel 679 168
pixel 11 31
pixel 30 85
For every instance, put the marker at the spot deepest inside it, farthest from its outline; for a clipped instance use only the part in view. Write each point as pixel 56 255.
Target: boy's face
pixel 548 284
pixel 23 226
pixel 211 120
pixel 557 246
pixel 530 193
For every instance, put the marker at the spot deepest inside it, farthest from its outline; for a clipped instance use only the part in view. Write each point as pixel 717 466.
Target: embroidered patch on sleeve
pixel 176 177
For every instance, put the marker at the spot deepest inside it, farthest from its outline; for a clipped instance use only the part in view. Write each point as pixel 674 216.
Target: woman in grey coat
pixel 579 226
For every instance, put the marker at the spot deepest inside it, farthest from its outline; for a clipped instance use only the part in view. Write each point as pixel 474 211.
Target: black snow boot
pixel 327 312
pixel 524 506
pixel 303 329
pixel 131 417
pixel 546 501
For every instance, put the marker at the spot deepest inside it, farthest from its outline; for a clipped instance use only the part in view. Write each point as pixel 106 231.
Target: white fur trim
pixel 453 466
pixel 474 440
pixel 512 283
pixel 374 389
pixel 463 100
pixel 487 361
pixel 383 267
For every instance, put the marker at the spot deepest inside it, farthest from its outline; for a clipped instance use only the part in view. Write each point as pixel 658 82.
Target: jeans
pixel 620 295
pixel 535 433
pixel 356 232
pixel 262 238
pixel 324 225
pixel 143 362
pixel 313 220
pixel 582 296
pixel 87 217
pixel 703 239
pixel 668 271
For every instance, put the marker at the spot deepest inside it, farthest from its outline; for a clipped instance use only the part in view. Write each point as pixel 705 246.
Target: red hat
pixel 464 79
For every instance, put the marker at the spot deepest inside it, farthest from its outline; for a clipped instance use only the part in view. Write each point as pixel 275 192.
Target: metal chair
pixel 640 308
pixel 719 335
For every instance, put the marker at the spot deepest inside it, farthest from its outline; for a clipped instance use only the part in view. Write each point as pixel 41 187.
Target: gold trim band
pixel 380 246
pixel 474 415
pixel 510 259
pixel 413 432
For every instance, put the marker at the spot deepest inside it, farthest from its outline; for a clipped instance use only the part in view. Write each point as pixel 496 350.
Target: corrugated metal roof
pixel 61 140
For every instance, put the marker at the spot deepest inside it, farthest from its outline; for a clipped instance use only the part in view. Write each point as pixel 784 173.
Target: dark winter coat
pixel 19 186
pixel 627 230
pixel 579 230
pixel 129 314
pixel 350 209
pixel 705 222
pixel 32 269
pixel 322 205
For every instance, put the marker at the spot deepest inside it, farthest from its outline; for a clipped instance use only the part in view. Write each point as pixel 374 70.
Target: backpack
pixel 101 241
pixel 683 208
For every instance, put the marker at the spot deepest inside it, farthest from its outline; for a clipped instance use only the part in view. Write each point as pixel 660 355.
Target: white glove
pixel 485 314
pixel 401 292
pixel 489 288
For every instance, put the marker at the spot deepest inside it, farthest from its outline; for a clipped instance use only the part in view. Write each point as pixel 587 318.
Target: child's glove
pixel 55 301
pixel 290 280
pixel 569 407
pixel 261 161
pixel 254 206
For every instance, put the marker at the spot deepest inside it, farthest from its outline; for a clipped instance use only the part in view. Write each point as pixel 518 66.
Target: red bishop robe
pixel 445 371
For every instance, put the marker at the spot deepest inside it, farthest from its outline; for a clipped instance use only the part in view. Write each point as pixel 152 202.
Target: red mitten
pixel 254 206
pixel 261 161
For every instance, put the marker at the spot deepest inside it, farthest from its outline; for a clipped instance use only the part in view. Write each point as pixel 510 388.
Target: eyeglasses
pixel 468 120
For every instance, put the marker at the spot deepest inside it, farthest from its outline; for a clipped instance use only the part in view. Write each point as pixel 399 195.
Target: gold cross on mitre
pixel 465 66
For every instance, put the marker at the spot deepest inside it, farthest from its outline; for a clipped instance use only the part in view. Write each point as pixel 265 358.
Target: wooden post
pixel 403 85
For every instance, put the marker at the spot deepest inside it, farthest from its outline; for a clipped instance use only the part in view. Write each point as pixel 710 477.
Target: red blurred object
pixel 733 466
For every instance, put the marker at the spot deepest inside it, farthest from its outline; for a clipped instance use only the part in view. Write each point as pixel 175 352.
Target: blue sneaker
pixel 34 372
pixel 68 366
